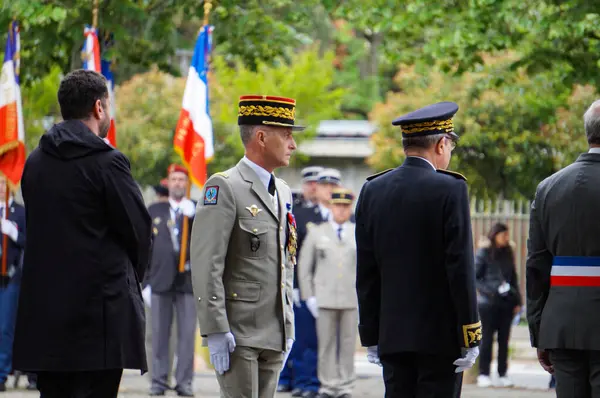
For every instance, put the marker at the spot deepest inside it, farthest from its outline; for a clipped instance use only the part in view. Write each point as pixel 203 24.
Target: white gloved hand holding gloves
pixel 373 355
pixel 188 208
pixel 468 360
pixel 311 304
pixel 147 295
pixel 220 345
pixel 10 228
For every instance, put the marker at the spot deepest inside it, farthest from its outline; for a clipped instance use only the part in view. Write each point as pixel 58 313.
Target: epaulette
pixel 373 176
pixel 453 174
pixel 222 174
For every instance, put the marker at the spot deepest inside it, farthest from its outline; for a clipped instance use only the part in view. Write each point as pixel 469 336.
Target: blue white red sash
pixel 575 271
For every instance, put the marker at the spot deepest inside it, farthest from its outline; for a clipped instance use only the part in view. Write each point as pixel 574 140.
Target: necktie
pixel 272 186
pixel 339 232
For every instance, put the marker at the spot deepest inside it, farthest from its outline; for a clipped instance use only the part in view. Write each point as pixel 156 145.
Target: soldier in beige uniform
pixel 327 272
pixel 243 255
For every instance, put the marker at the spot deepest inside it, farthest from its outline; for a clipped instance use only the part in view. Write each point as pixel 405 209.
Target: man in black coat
pixel 415 275
pixel 80 320
pixel 171 287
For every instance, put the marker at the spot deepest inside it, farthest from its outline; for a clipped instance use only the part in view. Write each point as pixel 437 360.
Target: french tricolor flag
pixel 193 139
pixel 12 130
pixel 92 61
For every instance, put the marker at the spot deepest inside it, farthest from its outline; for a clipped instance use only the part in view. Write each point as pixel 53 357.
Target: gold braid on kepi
pixel 342 196
pixel 432 119
pixel 267 110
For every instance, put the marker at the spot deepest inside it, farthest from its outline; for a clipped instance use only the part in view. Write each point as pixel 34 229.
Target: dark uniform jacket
pixel 88 245
pixel 306 217
pixel 164 275
pixel 415 276
pixel 565 222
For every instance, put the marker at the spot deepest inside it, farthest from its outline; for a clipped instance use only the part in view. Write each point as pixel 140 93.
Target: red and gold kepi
pixel 177 168
pixel 267 110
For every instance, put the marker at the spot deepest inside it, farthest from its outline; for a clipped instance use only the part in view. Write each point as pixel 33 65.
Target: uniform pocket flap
pixel 243 291
pixel 253 226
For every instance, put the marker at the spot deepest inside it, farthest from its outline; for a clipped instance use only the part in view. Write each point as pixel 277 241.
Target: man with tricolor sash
pixel 563 270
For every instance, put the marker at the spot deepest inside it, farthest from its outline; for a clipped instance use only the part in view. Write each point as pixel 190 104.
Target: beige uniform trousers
pixel 336 333
pixel 253 373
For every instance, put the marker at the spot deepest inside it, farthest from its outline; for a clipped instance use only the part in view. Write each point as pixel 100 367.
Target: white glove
pixel 10 228
pixel 147 295
pixel 220 345
pixel 312 306
pixel 373 355
pixel 188 208
pixel 468 360
pixel 288 348
pixel 296 297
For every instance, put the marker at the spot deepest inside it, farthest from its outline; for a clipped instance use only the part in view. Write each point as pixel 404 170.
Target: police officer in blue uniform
pixel 304 368
pixel 12 224
pixel 415 273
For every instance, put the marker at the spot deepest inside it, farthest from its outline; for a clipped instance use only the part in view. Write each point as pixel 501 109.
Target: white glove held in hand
pixel 312 306
pixel 288 348
pixel 373 355
pixel 188 208
pixel 296 297
pixel 10 228
pixel 468 360
pixel 147 295
pixel 220 345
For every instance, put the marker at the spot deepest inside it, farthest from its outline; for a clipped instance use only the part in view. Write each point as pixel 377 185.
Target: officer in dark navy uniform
pixel 305 381
pixel 12 224
pixel 309 187
pixel 415 275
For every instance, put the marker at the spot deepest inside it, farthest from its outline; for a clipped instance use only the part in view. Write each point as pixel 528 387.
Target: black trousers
pixel 577 373
pixel 91 384
pixel 494 319
pixel 414 375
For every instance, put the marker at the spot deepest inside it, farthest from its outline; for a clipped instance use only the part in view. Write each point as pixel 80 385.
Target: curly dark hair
pixel 78 93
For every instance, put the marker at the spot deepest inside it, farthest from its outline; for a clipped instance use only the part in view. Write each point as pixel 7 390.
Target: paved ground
pixel 368 385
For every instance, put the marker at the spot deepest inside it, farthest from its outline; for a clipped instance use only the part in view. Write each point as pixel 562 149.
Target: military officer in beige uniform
pixel 243 255
pixel 327 272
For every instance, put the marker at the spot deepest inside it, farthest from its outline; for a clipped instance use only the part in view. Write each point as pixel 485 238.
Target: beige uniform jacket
pixel 242 273
pixel 333 282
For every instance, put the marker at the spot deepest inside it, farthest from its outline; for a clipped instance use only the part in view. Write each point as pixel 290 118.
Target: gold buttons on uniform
pixel 255 230
pixel 281 247
pixel 199 298
pixel 214 297
pixel 281 228
pixel 282 266
pixel 283 285
pixel 234 295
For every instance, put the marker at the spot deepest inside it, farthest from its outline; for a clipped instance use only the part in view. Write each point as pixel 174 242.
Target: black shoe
pixel 310 394
pixel 156 391
pixel 184 391
pixel 283 388
pixel 296 392
pixel 2 386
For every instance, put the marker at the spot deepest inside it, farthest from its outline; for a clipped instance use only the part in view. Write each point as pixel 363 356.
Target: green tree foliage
pixel 511 137
pixel 148 108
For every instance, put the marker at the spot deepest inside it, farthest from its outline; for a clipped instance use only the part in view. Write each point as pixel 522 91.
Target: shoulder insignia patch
pixel 372 177
pixel 222 174
pixel 472 334
pixel 211 195
pixel 453 174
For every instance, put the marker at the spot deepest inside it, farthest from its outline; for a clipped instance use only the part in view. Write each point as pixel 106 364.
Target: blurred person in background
pixel 162 191
pixel 308 198
pixel 306 379
pixel 327 271
pixel 499 300
pixel 12 224
pixel 170 288
pixel 563 270
pixel 80 319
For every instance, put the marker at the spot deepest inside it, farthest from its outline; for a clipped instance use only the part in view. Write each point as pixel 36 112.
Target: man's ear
pixel 98 109
pixel 260 136
pixel 438 146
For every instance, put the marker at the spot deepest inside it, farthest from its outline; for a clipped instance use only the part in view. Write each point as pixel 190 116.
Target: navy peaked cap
pixel 432 119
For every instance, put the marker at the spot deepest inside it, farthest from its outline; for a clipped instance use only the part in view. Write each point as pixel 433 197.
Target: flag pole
pixel 186 222
pixel 95 14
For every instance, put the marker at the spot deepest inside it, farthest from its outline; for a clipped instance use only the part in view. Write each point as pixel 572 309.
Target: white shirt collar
pixel 263 175
pixel 594 150
pixel 324 211
pixel 174 204
pixel 431 164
